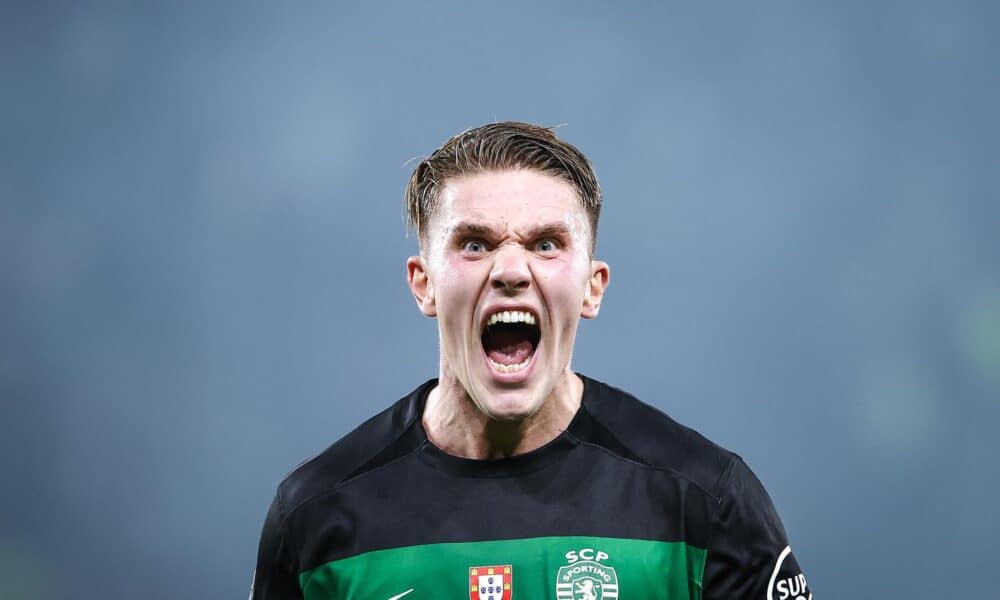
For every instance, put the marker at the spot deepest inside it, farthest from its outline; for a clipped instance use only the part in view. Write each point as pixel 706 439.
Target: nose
pixel 510 270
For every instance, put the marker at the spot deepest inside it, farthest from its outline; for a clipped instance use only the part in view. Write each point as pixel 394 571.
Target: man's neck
pixel 455 424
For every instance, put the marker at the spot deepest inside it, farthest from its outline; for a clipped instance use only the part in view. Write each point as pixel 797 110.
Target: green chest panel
pixel 556 568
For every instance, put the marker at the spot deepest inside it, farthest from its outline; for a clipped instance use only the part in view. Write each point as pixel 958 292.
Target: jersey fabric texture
pixel 626 503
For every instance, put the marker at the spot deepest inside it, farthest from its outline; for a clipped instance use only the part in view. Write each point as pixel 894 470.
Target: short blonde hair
pixel 497 146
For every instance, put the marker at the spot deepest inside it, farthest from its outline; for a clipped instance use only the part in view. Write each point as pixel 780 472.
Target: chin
pixel 508 406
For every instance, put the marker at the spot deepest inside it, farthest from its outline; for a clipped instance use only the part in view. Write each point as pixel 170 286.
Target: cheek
pixel 563 282
pixel 458 286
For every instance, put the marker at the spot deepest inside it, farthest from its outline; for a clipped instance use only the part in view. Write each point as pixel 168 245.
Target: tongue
pixel 508 347
pixel 512 354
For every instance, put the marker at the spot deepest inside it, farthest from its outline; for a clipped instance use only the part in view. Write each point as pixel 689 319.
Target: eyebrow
pixel 469 228
pixel 473 228
pixel 549 230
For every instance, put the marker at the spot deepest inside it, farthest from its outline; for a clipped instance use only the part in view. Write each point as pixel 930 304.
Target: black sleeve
pixel 275 577
pixel 749 556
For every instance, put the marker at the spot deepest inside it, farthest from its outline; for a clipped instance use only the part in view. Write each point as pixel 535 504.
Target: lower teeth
pixel 509 368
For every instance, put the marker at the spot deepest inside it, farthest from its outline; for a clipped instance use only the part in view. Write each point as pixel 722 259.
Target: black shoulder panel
pixel 379 440
pixel 625 425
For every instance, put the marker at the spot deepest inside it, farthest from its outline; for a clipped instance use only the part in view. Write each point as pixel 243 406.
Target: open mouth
pixel 509 339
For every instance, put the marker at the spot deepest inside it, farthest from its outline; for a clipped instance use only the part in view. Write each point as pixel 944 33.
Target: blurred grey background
pixel 202 248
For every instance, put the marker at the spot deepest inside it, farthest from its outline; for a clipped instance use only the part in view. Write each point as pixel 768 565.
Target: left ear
pixel 600 275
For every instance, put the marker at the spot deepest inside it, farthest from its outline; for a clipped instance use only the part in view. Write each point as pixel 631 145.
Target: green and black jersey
pixel 625 504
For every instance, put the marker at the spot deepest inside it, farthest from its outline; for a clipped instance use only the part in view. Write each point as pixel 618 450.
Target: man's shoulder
pixel 642 433
pixel 387 436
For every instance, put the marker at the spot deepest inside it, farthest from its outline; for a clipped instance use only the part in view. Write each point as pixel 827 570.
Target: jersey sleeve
pixel 275 577
pixel 749 556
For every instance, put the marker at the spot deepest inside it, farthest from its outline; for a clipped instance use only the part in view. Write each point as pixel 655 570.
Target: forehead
pixel 513 199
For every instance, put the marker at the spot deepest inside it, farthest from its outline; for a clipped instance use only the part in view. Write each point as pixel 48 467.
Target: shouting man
pixel 510 475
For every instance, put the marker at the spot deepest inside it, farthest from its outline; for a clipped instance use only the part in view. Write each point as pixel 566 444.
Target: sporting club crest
pixel 586 578
pixel 491 583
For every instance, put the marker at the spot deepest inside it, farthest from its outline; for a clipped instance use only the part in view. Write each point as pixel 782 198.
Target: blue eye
pixel 475 246
pixel 546 246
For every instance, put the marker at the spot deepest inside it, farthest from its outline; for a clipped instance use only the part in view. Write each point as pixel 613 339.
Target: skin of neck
pixel 455 424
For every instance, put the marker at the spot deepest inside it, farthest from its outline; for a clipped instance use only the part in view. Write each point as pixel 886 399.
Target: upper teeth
pixel 512 316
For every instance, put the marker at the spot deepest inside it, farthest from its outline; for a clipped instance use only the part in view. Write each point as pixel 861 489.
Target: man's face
pixel 506 269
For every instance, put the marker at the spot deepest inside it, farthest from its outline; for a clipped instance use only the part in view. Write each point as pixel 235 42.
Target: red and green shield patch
pixel 491 583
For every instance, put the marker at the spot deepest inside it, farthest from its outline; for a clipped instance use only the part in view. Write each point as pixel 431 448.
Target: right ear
pixel 421 285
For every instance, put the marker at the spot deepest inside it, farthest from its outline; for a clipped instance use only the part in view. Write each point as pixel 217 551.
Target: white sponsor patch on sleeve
pixel 785 585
